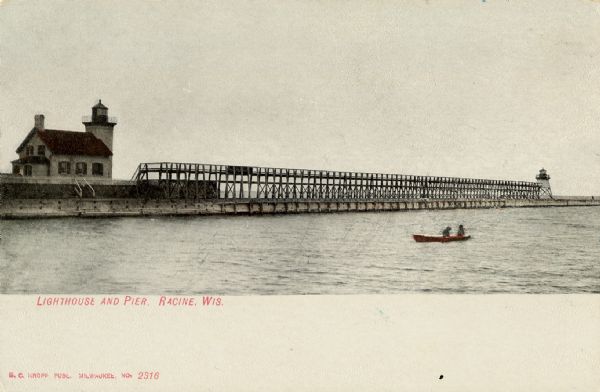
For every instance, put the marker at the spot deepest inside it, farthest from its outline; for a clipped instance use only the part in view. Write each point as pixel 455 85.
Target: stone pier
pixel 73 207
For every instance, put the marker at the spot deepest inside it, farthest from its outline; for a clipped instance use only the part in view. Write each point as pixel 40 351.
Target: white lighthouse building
pixel 56 152
pixel 544 180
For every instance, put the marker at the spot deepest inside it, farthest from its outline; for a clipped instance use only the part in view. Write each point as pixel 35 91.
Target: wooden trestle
pixel 194 181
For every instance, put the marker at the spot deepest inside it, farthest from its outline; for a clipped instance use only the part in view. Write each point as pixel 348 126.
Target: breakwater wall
pixel 115 207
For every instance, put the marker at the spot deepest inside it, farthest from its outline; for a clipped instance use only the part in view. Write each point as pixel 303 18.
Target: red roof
pixel 70 143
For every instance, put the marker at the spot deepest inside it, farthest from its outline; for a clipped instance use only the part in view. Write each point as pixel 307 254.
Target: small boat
pixel 439 238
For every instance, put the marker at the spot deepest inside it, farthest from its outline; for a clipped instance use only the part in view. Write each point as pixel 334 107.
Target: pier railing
pixel 209 181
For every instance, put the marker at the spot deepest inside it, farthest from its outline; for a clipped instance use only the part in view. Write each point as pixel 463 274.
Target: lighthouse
pixel 100 125
pixel 543 179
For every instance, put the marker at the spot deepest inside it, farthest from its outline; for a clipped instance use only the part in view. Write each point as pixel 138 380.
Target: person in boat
pixel 461 231
pixel 446 232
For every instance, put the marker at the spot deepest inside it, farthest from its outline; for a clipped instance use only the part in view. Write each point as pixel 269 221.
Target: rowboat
pixel 439 238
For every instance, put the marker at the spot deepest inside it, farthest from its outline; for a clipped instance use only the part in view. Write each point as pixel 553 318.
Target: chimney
pixel 39 122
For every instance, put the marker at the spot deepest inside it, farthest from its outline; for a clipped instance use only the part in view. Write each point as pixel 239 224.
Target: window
pixel 29 150
pixel 64 167
pixel 81 168
pixel 41 150
pixel 97 169
pixel 17 169
pixel 28 170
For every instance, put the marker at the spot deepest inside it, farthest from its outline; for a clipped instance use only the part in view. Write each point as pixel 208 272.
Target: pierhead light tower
pixel 544 180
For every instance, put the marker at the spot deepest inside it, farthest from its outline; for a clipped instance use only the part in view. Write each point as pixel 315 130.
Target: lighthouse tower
pixel 544 180
pixel 100 125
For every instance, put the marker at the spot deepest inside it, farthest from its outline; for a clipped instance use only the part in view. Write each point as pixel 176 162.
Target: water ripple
pixel 512 251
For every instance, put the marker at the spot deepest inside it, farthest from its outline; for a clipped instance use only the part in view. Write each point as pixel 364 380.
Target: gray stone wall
pixel 16 190
pixel 40 208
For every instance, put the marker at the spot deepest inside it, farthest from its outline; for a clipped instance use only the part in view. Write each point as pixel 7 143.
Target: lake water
pixel 536 250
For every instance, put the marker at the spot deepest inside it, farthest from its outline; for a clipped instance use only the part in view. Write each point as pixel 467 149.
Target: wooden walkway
pixel 194 181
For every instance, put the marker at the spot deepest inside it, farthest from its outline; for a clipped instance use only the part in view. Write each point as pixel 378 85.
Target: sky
pixel 481 89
